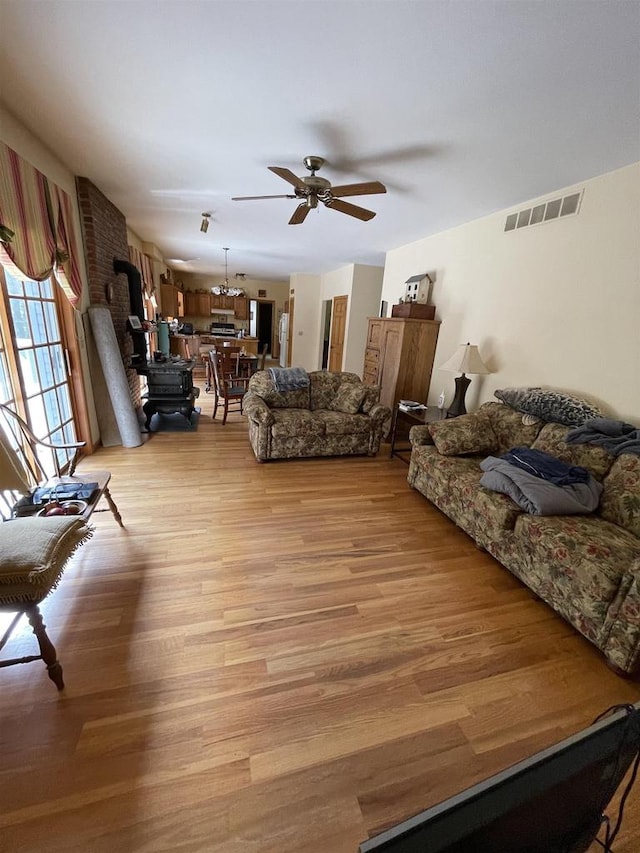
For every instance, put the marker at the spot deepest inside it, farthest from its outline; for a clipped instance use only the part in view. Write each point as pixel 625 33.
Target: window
pixel 33 363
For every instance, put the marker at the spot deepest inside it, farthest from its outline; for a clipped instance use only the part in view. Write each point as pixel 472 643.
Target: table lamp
pixel 466 359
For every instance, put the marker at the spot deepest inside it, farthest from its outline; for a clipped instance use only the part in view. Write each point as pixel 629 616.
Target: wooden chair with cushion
pixel 35 548
pixel 229 387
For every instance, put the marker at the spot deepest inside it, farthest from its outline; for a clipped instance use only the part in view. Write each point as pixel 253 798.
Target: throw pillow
pixel 471 433
pixel 349 398
pixel 550 406
pixel 35 551
pixel 371 397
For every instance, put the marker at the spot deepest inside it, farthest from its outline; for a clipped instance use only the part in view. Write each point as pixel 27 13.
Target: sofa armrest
pixel 380 413
pixel 257 410
pixel 622 648
pixel 420 435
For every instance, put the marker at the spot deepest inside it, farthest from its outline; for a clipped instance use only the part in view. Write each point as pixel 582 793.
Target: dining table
pixel 247 365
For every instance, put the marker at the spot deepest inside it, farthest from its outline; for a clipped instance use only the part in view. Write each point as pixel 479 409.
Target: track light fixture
pixel 204 225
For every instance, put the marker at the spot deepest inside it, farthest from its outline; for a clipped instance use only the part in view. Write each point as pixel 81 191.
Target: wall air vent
pixel 544 212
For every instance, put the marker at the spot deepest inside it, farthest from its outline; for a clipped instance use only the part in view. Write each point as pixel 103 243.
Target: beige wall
pixel 306 290
pixel 362 285
pixel 555 304
pixel 364 303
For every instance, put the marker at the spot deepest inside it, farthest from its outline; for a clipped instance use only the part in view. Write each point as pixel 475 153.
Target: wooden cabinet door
pixel 203 305
pixel 190 303
pixel 217 301
pixel 241 307
pixel 374 334
pixel 169 302
pixel 391 354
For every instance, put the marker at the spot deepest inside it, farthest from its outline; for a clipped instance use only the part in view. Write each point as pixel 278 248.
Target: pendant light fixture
pixel 224 288
pixel 204 225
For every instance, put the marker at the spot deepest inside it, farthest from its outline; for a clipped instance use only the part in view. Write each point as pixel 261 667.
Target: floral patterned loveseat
pixel 586 567
pixel 335 415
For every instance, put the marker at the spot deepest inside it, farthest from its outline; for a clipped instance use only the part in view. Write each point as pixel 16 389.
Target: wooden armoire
pixel 399 358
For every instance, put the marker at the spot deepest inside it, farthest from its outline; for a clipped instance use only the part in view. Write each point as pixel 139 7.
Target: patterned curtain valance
pixel 36 225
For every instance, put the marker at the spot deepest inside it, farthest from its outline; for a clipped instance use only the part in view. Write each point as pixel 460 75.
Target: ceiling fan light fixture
pixel 312 189
pixel 204 225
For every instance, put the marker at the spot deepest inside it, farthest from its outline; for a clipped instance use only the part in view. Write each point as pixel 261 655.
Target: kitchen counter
pixel 207 341
pixel 186 346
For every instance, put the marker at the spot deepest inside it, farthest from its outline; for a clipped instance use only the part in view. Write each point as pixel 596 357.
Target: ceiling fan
pixel 312 189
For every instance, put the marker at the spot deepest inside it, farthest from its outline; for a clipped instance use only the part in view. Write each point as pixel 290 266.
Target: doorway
pixel 326 329
pixel 261 323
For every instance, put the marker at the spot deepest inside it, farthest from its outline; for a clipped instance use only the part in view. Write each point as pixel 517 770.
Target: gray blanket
pixel 537 496
pixel 615 436
pixel 289 378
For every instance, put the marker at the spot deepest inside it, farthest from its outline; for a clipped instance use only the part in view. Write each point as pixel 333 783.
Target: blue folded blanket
pixel 615 436
pixel 289 378
pixel 535 495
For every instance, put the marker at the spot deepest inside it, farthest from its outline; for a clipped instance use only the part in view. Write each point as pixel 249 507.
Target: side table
pixel 412 417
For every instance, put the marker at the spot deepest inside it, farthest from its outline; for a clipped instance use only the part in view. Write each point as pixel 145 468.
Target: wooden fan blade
pixel 350 209
pixel 287 175
pixel 299 214
pixel 254 197
pixel 366 188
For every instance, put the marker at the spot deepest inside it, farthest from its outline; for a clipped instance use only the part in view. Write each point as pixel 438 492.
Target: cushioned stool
pixel 33 555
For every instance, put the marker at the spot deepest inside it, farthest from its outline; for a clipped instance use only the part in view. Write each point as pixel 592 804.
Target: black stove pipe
pixel 135 285
pixel 135 302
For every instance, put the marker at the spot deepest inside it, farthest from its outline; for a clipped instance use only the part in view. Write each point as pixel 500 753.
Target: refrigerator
pixel 283 334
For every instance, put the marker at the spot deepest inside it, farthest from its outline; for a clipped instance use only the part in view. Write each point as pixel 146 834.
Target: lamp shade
pixel 466 359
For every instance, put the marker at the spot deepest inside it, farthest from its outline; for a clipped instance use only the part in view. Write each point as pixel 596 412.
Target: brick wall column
pixel 104 231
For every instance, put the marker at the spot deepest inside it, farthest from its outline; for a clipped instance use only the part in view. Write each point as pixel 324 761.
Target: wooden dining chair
pixel 229 387
pixel 35 548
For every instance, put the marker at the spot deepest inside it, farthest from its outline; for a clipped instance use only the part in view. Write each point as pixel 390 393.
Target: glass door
pixel 33 370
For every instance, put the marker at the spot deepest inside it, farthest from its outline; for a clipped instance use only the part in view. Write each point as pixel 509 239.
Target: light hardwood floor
pixel 278 658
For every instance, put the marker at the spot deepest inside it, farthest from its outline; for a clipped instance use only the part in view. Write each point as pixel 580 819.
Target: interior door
pixel 338 326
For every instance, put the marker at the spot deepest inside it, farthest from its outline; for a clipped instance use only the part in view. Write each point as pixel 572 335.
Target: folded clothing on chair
pixel 64 492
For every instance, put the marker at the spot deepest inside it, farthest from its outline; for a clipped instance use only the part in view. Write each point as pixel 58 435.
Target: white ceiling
pixel 459 108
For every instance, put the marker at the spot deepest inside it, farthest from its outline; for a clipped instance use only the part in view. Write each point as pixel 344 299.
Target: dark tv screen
pixel 552 802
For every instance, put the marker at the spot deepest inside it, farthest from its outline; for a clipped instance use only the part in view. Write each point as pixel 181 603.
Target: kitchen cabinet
pixel 172 300
pixel 197 304
pixel 240 308
pixel 238 304
pixel 399 358
pixel 225 303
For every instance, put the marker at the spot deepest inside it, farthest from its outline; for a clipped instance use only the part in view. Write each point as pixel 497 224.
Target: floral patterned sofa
pixel 335 415
pixel 586 567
